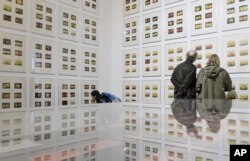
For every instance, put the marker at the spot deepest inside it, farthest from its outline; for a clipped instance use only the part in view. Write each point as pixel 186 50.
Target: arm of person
pixel 199 81
pixel 174 81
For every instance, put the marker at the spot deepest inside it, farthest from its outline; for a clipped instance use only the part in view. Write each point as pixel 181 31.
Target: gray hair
pixel 214 60
pixel 192 55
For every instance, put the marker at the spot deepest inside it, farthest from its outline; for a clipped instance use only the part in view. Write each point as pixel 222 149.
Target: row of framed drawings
pixel 173 131
pixel 235 56
pixel 203 20
pixel 70 25
pixel 151 92
pixel 13 91
pixel 44 57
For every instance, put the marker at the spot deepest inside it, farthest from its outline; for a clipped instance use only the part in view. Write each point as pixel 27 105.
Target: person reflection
pixel 212 83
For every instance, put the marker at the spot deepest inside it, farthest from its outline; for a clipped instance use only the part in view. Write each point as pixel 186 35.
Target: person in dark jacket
pixel 184 77
pixel 99 98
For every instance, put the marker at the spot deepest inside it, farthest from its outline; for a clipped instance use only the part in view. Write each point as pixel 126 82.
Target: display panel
pixel 13 55
pixel 43 56
pixel 151 151
pixel 131 31
pixel 68 152
pixel 151 92
pixel 90 30
pixel 175 22
pixel 151 58
pixel 91 6
pixel 13 93
pixel 74 3
pixel 132 149
pixel 169 92
pixel 150 4
pixel 44 18
pixel 205 48
pixel 43 155
pixel 199 156
pixel 68 93
pixel 151 123
pixel 131 119
pixel 235 14
pixel 174 55
pixel 89 122
pixel 131 63
pixel 68 26
pixel 151 27
pixel 131 91
pixel 89 150
pixel 131 7
pixel 90 62
pixel 174 131
pixel 236 50
pixel 13 14
pixel 68 59
pixel 171 1
pixel 175 153
pixel 42 93
pixel 87 87
pixel 204 15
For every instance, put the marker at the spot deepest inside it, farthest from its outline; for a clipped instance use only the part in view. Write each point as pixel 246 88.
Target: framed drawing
pixel 89 150
pixel 48 154
pixel 152 123
pixel 206 138
pixel 175 22
pixel 151 151
pixel 131 31
pixel 174 55
pixel 237 50
pixel 167 2
pixel 87 87
pixel 175 153
pixel 150 4
pixel 241 85
pixel 174 131
pixel 236 129
pixel 43 56
pixel 68 93
pixel 73 3
pixel 68 59
pixel 13 55
pixel 131 7
pixel 151 57
pixel 169 92
pixel 91 6
pixel 44 19
pixel 42 127
pixel 68 26
pixel 151 27
pixel 131 91
pixel 151 91
pixel 235 14
pixel 132 149
pixel 205 48
pixel 89 122
pixel 90 31
pixel 42 93
pixel 68 152
pixel 67 121
pixel 13 93
pixel 131 63
pixel 200 155
pixel 14 14
pixel 90 62
pixel 131 125
pixel 204 14
pixel 12 128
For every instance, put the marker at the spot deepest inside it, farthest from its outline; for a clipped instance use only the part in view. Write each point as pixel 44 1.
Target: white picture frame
pixel 151 91
pixel 204 15
pixel 131 31
pixel 44 19
pixel 200 155
pixel 167 2
pixel 73 3
pixel 169 92
pixel 132 149
pixel 151 151
pixel 89 150
pixel 131 7
pixel 87 87
pixel 131 91
pixel 150 4
pixel 175 22
pixel 72 149
pixel 131 61
pixel 13 55
pixel 175 153
pixel 48 153
pixel 131 124
pixel 151 61
pixel 91 6
pixel 90 62
pixel 151 31
pixel 174 55
pixel 90 30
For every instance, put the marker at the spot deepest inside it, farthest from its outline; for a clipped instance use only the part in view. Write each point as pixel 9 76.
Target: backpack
pixel 111 97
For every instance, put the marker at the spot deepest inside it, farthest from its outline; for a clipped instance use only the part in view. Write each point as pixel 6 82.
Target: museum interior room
pixel 54 53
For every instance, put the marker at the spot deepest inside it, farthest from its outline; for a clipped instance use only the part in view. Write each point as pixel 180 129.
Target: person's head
pixel 95 94
pixel 192 131
pixel 192 55
pixel 213 60
pixel 214 126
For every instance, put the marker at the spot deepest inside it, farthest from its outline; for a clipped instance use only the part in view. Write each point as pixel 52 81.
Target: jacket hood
pixel 212 71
